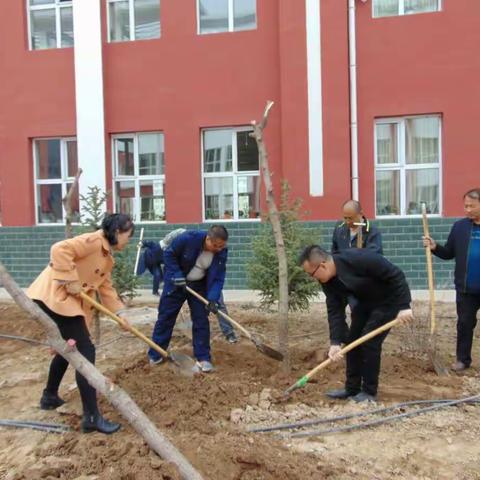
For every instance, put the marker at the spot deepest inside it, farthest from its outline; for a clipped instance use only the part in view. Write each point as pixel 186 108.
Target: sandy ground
pixel 208 417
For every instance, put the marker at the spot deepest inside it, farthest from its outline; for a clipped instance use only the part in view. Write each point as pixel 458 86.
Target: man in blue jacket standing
pixel 198 258
pixel 463 244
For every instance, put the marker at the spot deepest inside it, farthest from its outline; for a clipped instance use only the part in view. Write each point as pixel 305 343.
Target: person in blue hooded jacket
pixel 463 245
pixel 197 258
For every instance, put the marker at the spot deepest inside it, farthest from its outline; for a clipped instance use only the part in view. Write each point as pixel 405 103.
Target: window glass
pixel 422 135
pixel 422 187
pixel 219 198
pixel 119 18
pixel 49 201
pixel 247 152
pixel 217 151
pixel 43 29
pixel 150 154
pixel 125 158
pixel 213 16
pixel 147 19
pixel 48 159
pixel 244 14
pixel 388 192
pixel 66 22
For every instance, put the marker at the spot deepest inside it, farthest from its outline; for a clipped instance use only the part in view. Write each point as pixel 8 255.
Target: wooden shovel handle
pixel 139 247
pixel 354 344
pixel 132 329
pixel 431 288
pixel 224 315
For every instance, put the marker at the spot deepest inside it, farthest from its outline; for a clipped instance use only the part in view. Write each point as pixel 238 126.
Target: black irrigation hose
pixel 44 427
pixel 305 423
pixel 23 339
pixel 385 419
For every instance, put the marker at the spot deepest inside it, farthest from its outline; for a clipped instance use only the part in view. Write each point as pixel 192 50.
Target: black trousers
pixel 363 362
pixel 76 328
pixel 467 308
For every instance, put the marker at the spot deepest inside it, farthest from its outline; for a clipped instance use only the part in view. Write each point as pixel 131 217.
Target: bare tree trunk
pixel 115 395
pixel 274 217
pixel 67 205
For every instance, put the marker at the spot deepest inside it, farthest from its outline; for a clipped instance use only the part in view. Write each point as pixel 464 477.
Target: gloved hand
pixel 180 282
pixel 212 307
pixel 73 288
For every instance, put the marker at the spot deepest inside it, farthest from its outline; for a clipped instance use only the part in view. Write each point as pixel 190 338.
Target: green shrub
pixel 262 270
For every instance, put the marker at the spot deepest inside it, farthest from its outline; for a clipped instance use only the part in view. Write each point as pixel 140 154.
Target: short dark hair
pixel 355 203
pixel 314 253
pixel 218 232
pixel 473 193
pixel 114 222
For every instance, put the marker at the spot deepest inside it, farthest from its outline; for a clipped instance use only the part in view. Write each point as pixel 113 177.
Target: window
pixel 139 176
pixel 390 8
pixel 51 24
pixel 231 175
pixel 133 20
pixel 56 164
pixel 216 16
pixel 408 158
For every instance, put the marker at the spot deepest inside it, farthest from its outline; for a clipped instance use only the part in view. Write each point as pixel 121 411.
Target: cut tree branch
pixel 68 204
pixel 274 217
pixel 120 400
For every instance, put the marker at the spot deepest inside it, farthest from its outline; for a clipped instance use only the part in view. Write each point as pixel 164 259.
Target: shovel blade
pixel 266 350
pixel 183 362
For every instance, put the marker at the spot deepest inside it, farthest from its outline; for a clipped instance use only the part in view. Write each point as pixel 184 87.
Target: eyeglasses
pixel 312 274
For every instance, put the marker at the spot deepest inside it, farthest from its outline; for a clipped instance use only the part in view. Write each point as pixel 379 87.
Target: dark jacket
pixel 457 247
pixel 180 258
pixel 151 258
pixel 371 238
pixel 371 279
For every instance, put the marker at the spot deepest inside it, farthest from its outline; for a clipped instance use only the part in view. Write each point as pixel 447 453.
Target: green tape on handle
pixel 302 382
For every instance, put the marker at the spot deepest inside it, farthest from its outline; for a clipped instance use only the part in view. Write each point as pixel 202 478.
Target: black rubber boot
pixel 50 401
pixel 340 394
pixel 96 423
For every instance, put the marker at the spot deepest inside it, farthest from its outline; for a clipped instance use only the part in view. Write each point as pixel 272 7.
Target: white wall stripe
pixel 314 83
pixel 89 93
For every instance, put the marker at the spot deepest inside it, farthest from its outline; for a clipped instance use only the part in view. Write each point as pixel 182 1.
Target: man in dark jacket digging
pixel 463 244
pixel 382 294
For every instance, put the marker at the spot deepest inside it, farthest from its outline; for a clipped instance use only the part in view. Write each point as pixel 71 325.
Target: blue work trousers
pixel 168 309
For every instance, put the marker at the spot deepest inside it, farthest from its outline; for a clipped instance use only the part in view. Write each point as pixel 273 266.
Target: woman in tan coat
pixel 83 263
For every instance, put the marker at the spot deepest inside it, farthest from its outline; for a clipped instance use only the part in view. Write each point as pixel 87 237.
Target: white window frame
pixel 64 180
pixel 234 174
pixel 136 178
pixel 131 23
pixel 401 10
pixel 402 166
pixel 58 5
pixel 231 19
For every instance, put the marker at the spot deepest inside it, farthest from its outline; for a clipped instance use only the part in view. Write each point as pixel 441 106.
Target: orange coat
pixel 86 258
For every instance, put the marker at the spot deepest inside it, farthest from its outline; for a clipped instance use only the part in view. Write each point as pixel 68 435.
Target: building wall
pixel 417 64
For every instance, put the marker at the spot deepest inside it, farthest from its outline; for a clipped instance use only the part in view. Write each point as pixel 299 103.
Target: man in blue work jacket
pixel 196 258
pixel 463 244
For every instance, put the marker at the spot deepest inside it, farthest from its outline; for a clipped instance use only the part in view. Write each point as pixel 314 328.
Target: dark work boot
pixel 50 401
pixel 364 397
pixel 96 423
pixel 340 394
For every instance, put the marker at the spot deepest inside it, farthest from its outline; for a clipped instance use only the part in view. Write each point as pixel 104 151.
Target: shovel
pixel 181 360
pixel 259 345
pixel 139 248
pixel 304 380
pixel 432 347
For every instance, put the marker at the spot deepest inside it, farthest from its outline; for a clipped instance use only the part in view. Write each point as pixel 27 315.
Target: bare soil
pixel 207 417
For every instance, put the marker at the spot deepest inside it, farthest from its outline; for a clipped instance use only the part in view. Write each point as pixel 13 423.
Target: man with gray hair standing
pixel 463 245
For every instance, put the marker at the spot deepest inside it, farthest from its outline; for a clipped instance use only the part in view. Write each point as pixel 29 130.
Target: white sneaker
pixel 203 366
pixel 153 362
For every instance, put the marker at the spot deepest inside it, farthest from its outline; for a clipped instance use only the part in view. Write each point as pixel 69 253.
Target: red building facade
pixel 161 109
